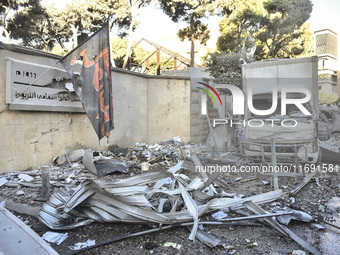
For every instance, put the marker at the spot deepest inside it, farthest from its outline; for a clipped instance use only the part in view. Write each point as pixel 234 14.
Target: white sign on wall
pixel 52 92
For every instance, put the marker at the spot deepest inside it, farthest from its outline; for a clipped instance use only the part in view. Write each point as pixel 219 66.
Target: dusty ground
pixel 237 239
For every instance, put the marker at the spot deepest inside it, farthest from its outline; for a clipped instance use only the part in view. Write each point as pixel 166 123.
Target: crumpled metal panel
pixel 141 199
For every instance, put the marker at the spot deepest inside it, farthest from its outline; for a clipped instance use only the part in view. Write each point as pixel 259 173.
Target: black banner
pixel 89 67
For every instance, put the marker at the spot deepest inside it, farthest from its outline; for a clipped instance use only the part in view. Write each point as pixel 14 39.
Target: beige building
pixel 326 48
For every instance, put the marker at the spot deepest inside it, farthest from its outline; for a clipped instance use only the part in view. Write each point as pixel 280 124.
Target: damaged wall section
pixel 146 109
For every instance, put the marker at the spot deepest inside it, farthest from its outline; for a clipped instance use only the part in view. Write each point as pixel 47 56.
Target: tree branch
pixel 7 9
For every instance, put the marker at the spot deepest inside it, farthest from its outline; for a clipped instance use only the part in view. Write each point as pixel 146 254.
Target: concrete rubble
pixel 84 192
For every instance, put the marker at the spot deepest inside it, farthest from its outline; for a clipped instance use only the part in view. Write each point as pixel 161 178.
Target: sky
pixel 157 27
pixel 326 14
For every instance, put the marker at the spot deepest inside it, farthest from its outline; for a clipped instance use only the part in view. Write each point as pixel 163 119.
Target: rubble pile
pixel 72 168
pixel 159 197
pixel 85 191
pixel 180 195
pixel 166 153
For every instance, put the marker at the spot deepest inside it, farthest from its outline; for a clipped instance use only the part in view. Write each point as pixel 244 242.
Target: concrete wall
pixel 199 128
pixel 338 86
pixel 31 139
pixel 146 109
pixel 149 108
pixel 168 108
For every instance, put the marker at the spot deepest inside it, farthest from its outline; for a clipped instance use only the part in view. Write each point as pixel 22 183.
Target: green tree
pixel 328 98
pixel 6 6
pixel 36 27
pixel 239 27
pixel 115 11
pixel 283 24
pixel 119 47
pixel 191 12
pixel 43 27
pixel 275 28
pixel 58 50
pixel 79 19
pixel 301 44
pixel 226 67
pixel 134 8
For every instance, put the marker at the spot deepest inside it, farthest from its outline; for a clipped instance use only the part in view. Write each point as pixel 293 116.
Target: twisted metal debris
pixel 159 197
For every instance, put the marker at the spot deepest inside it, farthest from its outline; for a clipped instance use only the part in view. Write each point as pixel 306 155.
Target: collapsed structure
pixel 180 196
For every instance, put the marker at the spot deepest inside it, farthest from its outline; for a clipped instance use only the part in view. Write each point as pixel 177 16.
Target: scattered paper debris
pixel 219 215
pixel 228 247
pixel 174 245
pixel 298 252
pixel 265 182
pixel 54 237
pixel 82 245
pixel 297 215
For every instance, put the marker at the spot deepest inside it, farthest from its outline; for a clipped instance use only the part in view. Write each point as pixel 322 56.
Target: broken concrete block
pixel 175 140
pixel 3 181
pixel 70 156
pixel 88 162
pixel 20 208
pixel 20 193
pixel 334 204
pixel 25 177
pixel 141 144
